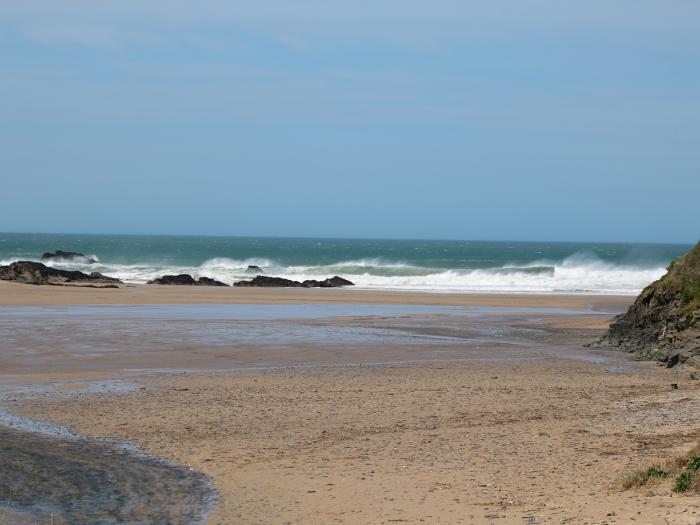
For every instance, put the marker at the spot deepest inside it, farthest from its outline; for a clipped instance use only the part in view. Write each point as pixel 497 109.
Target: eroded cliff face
pixel 664 321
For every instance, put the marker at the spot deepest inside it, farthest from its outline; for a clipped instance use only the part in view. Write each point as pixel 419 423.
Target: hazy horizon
pixel 308 237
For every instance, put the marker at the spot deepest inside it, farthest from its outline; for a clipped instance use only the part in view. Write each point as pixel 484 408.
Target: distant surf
pixel 569 276
pixel 440 266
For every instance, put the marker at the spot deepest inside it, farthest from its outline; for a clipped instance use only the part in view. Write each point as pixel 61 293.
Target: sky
pixel 513 120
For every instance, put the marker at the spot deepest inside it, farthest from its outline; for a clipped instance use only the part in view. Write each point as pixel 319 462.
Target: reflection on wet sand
pixel 73 479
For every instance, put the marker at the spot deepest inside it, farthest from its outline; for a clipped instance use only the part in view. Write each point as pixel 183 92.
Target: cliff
pixel 664 321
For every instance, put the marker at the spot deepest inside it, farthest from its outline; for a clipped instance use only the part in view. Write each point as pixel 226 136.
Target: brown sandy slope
pixel 537 442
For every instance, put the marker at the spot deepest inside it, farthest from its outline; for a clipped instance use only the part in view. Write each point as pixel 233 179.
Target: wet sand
pixel 16 294
pixel 66 481
pixel 469 417
pixel 537 442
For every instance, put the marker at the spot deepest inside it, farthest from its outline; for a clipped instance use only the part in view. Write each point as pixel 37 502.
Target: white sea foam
pixel 578 274
pixel 234 264
pixel 77 261
pixel 562 279
pixel 377 262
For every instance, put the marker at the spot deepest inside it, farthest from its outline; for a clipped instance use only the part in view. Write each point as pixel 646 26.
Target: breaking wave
pixel 224 263
pixel 577 274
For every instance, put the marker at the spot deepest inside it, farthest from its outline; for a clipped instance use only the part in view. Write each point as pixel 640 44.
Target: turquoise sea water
pixel 448 266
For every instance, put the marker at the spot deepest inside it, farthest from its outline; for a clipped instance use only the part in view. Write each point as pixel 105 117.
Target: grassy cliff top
pixel 683 278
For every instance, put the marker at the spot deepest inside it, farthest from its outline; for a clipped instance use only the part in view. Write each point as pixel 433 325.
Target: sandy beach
pixel 491 412
pixel 375 263
pixel 16 294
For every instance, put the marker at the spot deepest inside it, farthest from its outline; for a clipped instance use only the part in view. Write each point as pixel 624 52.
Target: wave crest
pixel 579 273
pixel 235 264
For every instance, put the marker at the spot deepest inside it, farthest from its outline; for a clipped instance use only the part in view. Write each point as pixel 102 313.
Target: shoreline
pixel 19 294
pixel 131 339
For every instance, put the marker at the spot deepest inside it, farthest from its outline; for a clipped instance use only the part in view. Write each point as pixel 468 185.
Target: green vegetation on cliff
pixel 683 280
pixel 684 471
pixel 664 321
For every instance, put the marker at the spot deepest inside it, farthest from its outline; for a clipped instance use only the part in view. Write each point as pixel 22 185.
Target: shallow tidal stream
pixel 59 480
pixel 50 475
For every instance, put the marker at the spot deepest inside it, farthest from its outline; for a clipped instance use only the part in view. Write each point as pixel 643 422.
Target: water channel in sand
pixel 49 473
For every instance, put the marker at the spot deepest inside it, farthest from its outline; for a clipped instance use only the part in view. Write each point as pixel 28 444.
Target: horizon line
pixel 346 238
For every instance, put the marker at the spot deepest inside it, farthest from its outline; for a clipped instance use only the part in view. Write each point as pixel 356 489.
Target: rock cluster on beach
pixel 261 281
pixel 67 256
pixel 185 279
pixel 37 273
pixel 279 282
pixel 664 321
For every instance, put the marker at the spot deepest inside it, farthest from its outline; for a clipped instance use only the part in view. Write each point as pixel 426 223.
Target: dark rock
pixel 37 273
pixel 182 279
pixel 694 361
pixel 270 282
pixel 664 321
pixel 254 269
pixel 185 279
pixel 313 283
pixel 332 282
pixel 67 256
pixel 337 282
pixel 208 281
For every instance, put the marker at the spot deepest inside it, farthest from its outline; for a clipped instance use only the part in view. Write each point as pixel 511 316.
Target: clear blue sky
pixel 543 120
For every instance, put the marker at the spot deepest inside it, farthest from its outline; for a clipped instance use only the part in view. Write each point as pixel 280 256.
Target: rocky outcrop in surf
pixel 331 282
pixel 67 256
pixel 208 281
pixel 264 281
pixel 664 321
pixel 31 272
pixel 185 279
pixel 252 268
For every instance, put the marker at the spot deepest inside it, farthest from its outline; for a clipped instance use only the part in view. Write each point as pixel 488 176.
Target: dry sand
pixel 517 443
pixel 479 441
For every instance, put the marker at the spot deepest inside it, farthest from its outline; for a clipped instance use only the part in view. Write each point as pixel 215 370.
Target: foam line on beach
pixel 577 274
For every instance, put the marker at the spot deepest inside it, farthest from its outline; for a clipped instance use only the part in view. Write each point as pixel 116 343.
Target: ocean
pixel 415 265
